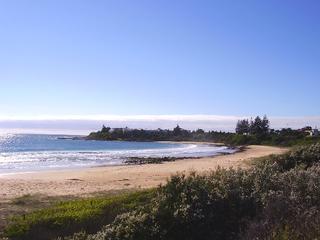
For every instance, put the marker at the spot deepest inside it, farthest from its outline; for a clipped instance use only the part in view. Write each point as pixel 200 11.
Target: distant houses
pixel 123 130
pixel 315 132
pixel 312 132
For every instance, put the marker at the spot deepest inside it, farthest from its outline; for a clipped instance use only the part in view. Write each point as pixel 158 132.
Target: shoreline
pixel 90 181
pixel 194 142
pixel 126 161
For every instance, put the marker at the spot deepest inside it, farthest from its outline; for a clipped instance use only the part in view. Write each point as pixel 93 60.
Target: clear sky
pixel 73 57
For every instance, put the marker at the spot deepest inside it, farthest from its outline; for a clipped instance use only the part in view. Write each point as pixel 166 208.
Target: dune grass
pixel 71 216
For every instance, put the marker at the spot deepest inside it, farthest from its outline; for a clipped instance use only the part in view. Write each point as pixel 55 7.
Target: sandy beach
pixel 85 182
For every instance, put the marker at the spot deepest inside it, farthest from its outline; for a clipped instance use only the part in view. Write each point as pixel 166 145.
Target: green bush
pixel 301 156
pixel 291 208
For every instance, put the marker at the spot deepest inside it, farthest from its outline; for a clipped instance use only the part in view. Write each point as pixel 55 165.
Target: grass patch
pixel 68 217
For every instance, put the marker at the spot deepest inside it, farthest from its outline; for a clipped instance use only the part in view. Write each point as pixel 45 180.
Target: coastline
pixel 90 181
pixel 194 142
pixel 127 160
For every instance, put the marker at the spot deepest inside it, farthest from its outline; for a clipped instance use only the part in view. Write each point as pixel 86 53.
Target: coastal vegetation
pixel 276 198
pixel 67 217
pixel 247 132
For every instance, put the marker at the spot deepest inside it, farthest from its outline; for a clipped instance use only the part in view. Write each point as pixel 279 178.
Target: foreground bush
pixel 193 207
pixel 291 209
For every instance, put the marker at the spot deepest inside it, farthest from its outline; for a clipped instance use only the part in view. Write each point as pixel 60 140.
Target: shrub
pixel 216 206
pixel 292 208
pixel 301 156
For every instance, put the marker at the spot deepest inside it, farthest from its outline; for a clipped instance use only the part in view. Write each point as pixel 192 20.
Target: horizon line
pixel 84 124
pixel 145 117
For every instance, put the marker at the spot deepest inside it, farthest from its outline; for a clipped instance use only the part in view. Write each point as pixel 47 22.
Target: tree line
pixel 253 131
pixel 257 126
pixel 176 134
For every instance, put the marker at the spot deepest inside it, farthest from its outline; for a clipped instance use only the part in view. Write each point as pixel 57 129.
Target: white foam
pixel 46 160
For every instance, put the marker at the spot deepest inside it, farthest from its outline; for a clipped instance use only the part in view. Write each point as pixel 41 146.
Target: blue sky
pixel 239 58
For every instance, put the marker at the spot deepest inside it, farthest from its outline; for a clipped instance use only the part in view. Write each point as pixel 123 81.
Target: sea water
pixel 30 152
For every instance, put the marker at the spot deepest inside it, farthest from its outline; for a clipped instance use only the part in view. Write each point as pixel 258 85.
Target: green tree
pixel 259 127
pixel 243 126
pixel 177 131
pixel 105 129
pixel 200 131
pixel 265 125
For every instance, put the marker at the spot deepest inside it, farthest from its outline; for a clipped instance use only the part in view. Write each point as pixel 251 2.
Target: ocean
pixel 33 152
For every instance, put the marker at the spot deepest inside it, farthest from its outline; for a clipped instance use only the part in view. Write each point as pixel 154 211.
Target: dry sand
pixel 85 182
